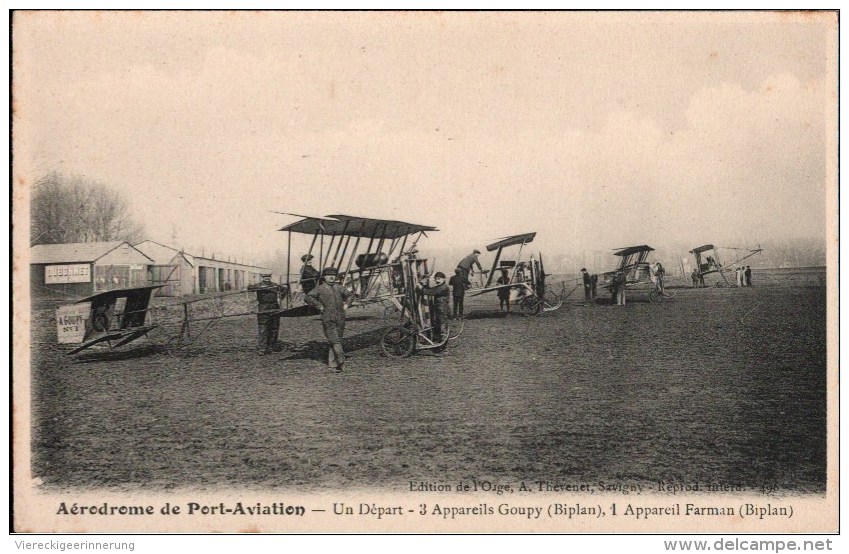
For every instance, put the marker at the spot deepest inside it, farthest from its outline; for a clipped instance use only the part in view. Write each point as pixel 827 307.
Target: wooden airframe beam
pixel 518 258
pixel 356 247
pixel 289 269
pixel 494 264
pixel 379 246
pixel 328 262
pixel 342 234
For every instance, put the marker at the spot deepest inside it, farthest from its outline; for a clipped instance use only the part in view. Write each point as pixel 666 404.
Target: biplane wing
pixel 116 339
pixel 510 241
pixel 490 288
pixel 499 246
pixel 116 317
pixel 627 251
pixel 299 311
pixel 362 249
pixel 701 249
pixel 354 226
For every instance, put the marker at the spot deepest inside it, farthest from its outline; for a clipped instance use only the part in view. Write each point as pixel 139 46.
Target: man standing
pixel 331 299
pixel 695 277
pixel 659 273
pixel 618 290
pixel 748 275
pixel 458 292
pixel 466 264
pixel 439 316
pixel 588 286
pixel 594 287
pixel 309 274
pixel 504 292
pixel 267 316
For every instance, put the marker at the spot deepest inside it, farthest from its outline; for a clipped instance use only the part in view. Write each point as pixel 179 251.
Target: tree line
pixel 68 209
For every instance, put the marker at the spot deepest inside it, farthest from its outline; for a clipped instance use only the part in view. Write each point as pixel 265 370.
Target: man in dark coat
pixel 458 291
pixel 588 285
pixel 504 292
pixel 332 300
pixel 268 316
pixel 439 293
pixel 467 263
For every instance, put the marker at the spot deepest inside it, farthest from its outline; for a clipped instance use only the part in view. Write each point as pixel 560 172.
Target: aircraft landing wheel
pixel 531 305
pixel 657 296
pixel 398 342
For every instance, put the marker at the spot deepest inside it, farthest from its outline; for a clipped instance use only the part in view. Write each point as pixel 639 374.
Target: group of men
pixel 438 293
pixel 322 292
pixel 590 284
pixel 744 276
pixel 618 283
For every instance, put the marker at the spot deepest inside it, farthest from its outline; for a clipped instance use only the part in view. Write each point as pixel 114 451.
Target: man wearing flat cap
pixel 465 265
pixel 331 299
pixel 309 274
pixel 268 313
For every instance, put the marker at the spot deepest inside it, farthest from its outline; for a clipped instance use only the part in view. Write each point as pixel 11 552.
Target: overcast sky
pixel 597 130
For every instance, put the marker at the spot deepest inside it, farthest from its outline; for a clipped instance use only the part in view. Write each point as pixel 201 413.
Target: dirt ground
pixel 719 385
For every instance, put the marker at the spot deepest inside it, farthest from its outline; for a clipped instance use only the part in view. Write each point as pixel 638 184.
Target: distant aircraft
pixel 526 277
pixel 633 263
pixel 708 261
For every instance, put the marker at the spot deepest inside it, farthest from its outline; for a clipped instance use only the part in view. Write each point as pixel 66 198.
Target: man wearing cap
pixel 466 264
pixel 309 274
pixel 458 291
pixel 439 293
pixel 268 317
pixel 331 299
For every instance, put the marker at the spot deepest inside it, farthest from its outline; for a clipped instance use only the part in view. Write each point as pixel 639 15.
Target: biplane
pixel 112 318
pixel 708 262
pixel 525 279
pixel 633 263
pixel 378 261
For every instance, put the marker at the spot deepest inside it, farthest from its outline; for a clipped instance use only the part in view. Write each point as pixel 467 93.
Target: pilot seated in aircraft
pixel 309 274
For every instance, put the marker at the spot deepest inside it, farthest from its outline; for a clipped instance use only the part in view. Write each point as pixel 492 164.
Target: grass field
pixel 718 386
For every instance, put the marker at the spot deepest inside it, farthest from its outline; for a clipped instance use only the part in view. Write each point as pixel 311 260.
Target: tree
pixel 74 209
